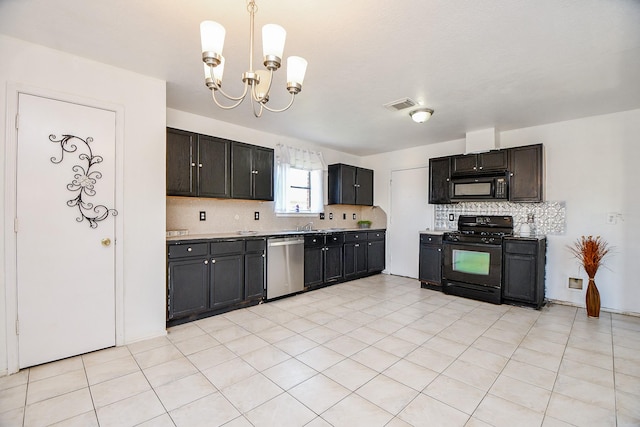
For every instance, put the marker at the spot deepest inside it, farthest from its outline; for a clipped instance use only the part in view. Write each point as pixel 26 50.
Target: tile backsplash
pixel 549 217
pixel 228 215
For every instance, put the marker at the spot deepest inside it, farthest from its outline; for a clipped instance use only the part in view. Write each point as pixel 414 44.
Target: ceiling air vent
pixel 400 104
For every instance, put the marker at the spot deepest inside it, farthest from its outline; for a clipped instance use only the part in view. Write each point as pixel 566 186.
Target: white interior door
pixel 65 197
pixel 410 213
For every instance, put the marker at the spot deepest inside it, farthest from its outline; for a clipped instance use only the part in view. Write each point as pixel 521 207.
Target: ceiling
pixel 506 64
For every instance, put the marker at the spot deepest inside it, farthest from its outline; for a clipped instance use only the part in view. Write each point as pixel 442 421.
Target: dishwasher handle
pixel 288 242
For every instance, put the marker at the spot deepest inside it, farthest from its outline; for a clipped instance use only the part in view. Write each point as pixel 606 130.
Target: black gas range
pixel 472 259
pixel 488 229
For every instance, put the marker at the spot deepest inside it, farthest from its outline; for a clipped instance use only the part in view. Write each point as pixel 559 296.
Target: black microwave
pixel 480 188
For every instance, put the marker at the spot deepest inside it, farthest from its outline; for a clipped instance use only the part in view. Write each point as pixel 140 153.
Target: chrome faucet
pixel 307 227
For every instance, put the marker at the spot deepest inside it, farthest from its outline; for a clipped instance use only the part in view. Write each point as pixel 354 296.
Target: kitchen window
pixel 298 181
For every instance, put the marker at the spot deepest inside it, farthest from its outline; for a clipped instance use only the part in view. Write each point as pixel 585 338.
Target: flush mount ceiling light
pixel 421 115
pixel 258 83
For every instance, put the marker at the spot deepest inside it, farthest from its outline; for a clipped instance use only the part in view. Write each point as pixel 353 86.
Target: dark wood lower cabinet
pixel 190 297
pixel 209 277
pixel 227 281
pixel 430 264
pixel 323 259
pixel 355 259
pixel 524 267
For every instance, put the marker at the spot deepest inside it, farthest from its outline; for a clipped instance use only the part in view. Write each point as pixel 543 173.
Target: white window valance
pixel 299 158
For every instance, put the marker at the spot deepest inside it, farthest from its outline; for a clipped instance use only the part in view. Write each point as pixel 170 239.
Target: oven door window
pixel 471 262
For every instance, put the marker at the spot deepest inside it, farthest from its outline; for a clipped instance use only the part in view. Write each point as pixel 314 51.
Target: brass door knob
pixel 106 242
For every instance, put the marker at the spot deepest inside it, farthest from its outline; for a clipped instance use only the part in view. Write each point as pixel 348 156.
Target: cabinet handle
pixel 357 237
pixel 511 174
pixel 193 164
pixel 206 261
pixel 189 249
pixel 439 250
pixel 199 165
pixel 369 244
pixel 264 256
pixel 475 168
pixel 447 179
pixel 254 172
pixel 213 261
pixel 480 167
pixel 357 245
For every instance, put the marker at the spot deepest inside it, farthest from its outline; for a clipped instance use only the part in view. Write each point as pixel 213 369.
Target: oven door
pixel 474 263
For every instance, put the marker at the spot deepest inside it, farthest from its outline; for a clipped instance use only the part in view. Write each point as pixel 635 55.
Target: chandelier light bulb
pixel 296 69
pixel 212 37
pixel 273 38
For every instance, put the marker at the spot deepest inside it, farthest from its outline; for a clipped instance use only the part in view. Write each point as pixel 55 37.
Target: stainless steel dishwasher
pixel 285 266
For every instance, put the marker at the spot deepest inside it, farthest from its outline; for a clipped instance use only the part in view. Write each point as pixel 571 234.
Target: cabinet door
pixel 226 281
pixel 333 270
pixel 520 277
pixel 313 265
pixel 181 158
pixel 254 275
pixel 375 256
pixel 465 163
pixel 430 267
pixel 526 168
pixel 350 259
pixel 263 173
pixel 213 167
pixel 439 173
pixel 188 287
pixel 342 184
pixel 364 187
pixel 493 161
pixel 241 171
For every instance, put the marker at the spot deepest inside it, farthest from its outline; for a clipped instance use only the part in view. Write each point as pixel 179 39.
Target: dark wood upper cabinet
pixel 439 173
pixel 251 172
pixel 350 185
pixel 181 158
pixel 491 161
pixel 524 164
pixel 206 166
pixel 213 167
pixel 526 181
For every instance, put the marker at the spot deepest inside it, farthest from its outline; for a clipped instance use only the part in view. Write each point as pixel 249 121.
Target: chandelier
pixel 256 83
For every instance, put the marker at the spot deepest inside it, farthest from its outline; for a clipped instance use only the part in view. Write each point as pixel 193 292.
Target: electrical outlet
pixel 354 217
pixel 330 215
pixel 203 216
pixel 321 215
pixel 344 216
pixel 612 218
pixel 451 217
pixel 256 215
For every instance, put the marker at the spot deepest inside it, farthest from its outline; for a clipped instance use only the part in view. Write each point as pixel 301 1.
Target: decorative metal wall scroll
pixel 83 181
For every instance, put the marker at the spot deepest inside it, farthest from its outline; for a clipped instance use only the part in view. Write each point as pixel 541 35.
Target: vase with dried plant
pixel 590 251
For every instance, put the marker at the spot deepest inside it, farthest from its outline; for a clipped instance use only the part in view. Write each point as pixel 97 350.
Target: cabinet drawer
pixel 334 239
pixel 314 240
pixel 434 239
pixel 355 237
pixel 187 250
pixel 375 235
pixel 256 245
pixel 227 247
pixel 524 248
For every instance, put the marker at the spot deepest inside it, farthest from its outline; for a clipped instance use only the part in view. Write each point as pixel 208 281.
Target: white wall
pixel 591 164
pixel 143 210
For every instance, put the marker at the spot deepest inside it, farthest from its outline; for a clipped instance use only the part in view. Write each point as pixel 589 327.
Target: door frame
pixel 391 213
pixel 10 262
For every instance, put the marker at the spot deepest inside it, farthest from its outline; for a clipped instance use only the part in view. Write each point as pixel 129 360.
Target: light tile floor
pixel 376 351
